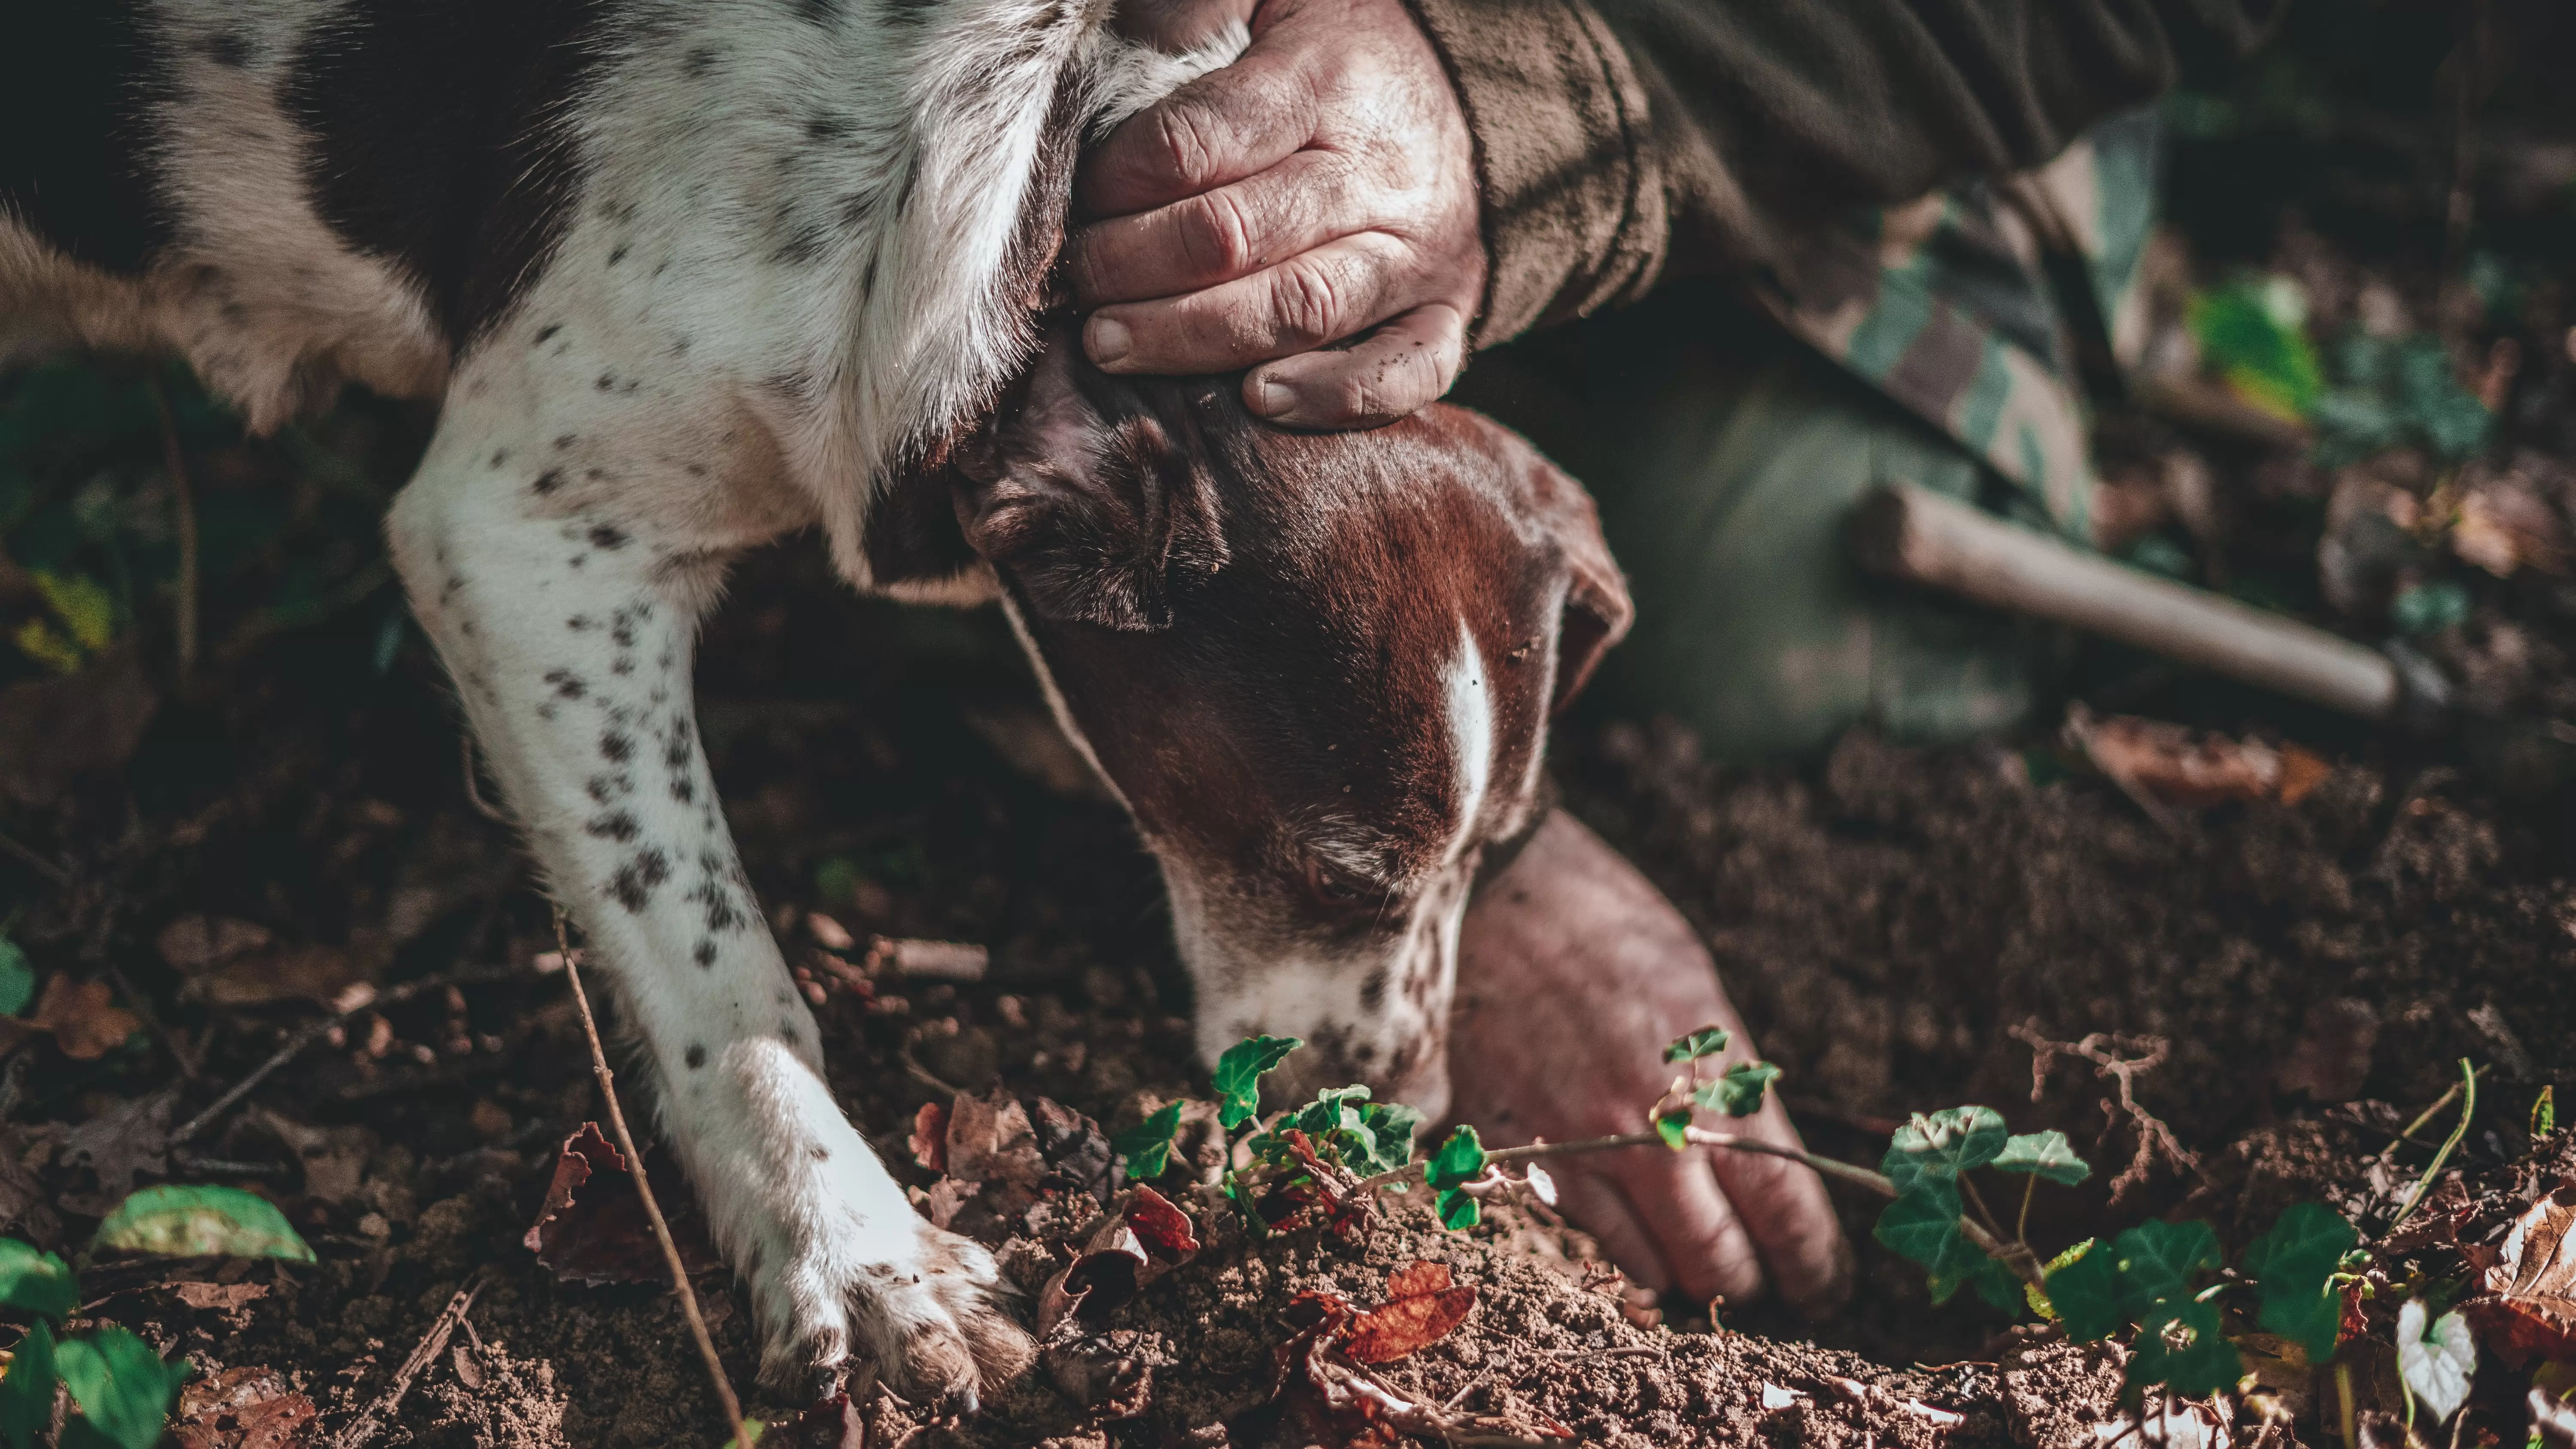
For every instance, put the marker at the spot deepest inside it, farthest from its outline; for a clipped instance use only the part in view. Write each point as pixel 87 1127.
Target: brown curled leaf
pixel 2529 1308
pixel 930 1136
pixel 1427 1310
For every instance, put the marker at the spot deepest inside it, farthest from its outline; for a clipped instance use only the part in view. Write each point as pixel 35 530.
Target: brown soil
pixel 1883 922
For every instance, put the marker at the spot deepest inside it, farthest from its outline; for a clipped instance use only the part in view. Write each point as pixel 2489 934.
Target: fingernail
pixel 1109 340
pixel 1270 398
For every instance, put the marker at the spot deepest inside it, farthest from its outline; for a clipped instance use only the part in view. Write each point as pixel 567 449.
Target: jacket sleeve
pixel 1619 141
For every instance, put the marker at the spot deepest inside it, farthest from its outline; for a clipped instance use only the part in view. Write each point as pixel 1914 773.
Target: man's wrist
pixel 1572 207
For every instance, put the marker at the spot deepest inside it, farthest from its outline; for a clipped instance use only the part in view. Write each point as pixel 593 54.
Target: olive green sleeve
pixel 1623 140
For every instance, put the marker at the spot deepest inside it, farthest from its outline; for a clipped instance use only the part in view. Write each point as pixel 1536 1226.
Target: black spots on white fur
pixel 717 878
pixel 700 61
pixel 618 825
pixel 824 126
pixel 684 789
pixel 641 874
pixel 624 665
pixel 803 246
pixel 787 1034
pixel 566 440
pixel 695 1056
pixel 816 12
pixel 545 335
pixel 604 788
pixel 616 747
pixel 683 735
pixel 568 685
pixel 547 482
pixel 607 382
pixel 704 953
pixel 607 536
pixel 577 622
pixel 500 456
pixel 821 1152
pixel 695 470
pixel 617 254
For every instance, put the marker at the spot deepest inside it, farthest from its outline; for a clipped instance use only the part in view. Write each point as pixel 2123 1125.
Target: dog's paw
pixel 924 1304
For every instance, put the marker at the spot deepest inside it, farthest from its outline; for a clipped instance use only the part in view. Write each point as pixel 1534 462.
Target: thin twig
pixel 37 863
pixel 2449 1094
pixel 2468 1109
pixel 315 1031
pixel 189 1066
pixel 174 461
pixel 432 1343
pixel 644 1190
pixel 2019 1259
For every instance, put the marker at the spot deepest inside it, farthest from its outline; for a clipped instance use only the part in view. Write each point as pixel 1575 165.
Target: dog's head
pixel 1318 669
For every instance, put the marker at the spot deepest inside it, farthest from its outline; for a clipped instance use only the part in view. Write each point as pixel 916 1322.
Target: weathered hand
pixel 1573 974
pixel 1320 189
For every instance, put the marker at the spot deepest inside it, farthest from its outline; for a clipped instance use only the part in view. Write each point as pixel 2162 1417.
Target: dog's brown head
pixel 1317 668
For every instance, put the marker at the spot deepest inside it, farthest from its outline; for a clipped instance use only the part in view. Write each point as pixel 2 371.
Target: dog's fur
pixel 687 274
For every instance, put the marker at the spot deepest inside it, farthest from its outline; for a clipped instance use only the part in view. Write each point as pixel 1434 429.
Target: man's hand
pixel 1320 187
pixel 1573 974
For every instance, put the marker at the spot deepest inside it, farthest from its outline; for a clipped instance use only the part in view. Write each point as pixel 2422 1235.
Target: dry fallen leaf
pixel 990 1140
pixel 1145 1239
pixel 118 1144
pixel 1421 1308
pixel 86 1021
pixel 592 1227
pixel 930 1136
pixel 2529 1308
pixel 219 1295
pixel 243 1408
pixel 198 942
pixel 2178 766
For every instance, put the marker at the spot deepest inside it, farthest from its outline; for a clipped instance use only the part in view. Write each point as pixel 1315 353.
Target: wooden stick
pixel 372 1418
pixel 644 1190
pixel 1902 531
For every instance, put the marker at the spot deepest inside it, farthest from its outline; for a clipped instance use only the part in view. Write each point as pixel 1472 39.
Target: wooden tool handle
pixel 1903 531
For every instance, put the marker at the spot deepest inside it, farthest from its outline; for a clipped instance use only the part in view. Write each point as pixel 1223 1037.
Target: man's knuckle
pixel 1221 236
pixel 1182 143
pixel 1306 304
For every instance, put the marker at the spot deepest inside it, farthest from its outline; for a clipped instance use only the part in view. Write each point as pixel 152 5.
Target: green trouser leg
pixel 1725 485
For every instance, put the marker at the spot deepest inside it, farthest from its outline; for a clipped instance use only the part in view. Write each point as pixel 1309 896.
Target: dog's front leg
pixel 568 632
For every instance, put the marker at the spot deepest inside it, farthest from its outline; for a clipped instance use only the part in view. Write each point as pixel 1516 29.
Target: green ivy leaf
pixel 752 1429
pixel 174 1221
pixel 1943 1144
pixel 1739 1092
pixel 1922 1225
pixel 2084 1288
pixel 1147 1146
pixel 1460 1159
pixel 2253 335
pixel 27 1389
pixel 17 978
pixel 2043 1154
pixel 34 1282
pixel 1674 1128
pixel 119 1385
pixel 2157 1261
pixel 1458 1211
pixel 1708 1041
pixel 1239 1073
pixel 2187 1353
pixel 2293 1268
pixel 2544 1112
pixel 1392 1126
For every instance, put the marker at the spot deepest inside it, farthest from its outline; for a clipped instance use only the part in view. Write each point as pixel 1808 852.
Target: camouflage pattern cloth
pixel 1969 306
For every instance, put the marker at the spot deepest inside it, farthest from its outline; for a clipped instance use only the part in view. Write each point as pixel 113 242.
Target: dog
pixel 685 275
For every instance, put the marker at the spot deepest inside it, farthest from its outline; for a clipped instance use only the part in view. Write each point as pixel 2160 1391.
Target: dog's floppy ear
pixel 1597 608
pixel 1083 499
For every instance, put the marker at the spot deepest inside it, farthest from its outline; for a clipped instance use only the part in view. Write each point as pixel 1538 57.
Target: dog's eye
pixel 1330 886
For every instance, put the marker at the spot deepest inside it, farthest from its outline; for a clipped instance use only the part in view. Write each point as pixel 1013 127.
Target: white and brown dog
pixel 684 275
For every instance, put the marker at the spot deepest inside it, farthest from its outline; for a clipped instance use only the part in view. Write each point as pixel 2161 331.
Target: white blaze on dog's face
pixel 1318 669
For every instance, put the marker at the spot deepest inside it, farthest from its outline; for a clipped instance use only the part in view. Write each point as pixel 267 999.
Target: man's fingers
pixel 1224 126
pixel 1218 235
pixel 1396 371
pixel 1704 1245
pixel 1596 1204
pixel 1785 1208
pixel 1314 298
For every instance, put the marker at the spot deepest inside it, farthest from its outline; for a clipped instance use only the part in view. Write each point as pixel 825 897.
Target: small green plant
pixel 120 1389
pixel 1324 1162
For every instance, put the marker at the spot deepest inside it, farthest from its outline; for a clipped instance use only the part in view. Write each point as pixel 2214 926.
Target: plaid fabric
pixel 1966 306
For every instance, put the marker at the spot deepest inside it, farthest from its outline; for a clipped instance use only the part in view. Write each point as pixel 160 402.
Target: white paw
pixel 928 1314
